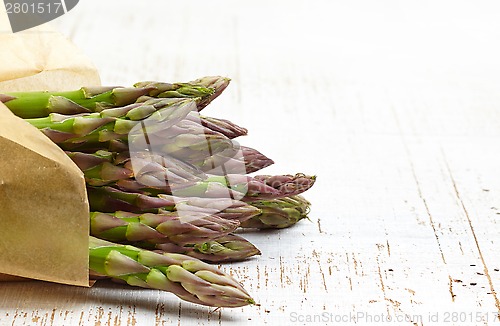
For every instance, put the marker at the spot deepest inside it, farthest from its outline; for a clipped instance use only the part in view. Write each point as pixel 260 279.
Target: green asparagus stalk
pixel 112 123
pixel 287 185
pixel 158 125
pixel 226 208
pixel 239 187
pixel 188 278
pixel 216 84
pixel 186 140
pixel 109 200
pixel 248 160
pixel 226 248
pixel 249 188
pixel 181 229
pixel 278 213
pixel 94 99
pixel 160 171
pixel 103 168
pixel 225 127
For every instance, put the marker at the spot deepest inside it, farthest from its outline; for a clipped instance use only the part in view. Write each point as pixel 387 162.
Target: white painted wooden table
pixel 394 105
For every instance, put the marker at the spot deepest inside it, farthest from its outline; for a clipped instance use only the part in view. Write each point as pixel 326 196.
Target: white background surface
pixel 394 105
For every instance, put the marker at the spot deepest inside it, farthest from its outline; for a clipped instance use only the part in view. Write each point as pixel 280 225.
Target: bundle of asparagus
pixel 168 186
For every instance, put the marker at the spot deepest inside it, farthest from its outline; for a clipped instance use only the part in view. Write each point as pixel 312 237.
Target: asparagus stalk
pixel 112 123
pixel 188 278
pixel 247 160
pixel 227 208
pixel 157 125
pixel 249 188
pixel 235 186
pixel 103 168
pixel 161 90
pixel 177 228
pixel 186 140
pixel 278 213
pixel 286 185
pixel 230 247
pixel 129 195
pixel 225 127
pixel 109 200
pixel 94 99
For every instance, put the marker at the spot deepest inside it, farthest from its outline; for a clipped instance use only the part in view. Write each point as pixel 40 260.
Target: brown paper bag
pixel 44 224
pixel 43 205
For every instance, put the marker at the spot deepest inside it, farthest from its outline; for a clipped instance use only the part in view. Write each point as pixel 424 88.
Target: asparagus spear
pixel 278 213
pixel 186 140
pixel 230 247
pixel 180 229
pixel 188 278
pixel 103 168
pixel 129 195
pixel 227 208
pixel 109 200
pixel 111 123
pixel 286 185
pixel 239 187
pixel 157 125
pixel 247 160
pixel 216 83
pixel 94 99
pixel 249 188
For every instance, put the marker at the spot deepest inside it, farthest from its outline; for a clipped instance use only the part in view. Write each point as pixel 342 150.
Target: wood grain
pixel 394 106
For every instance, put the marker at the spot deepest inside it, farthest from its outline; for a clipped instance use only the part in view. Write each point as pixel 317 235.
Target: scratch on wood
pixel 348 270
pixel 110 317
pixel 118 318
pixel 159 311
pixel 451 288
pixel 355 264
pixel 100 314
pixel 266 276
pixel 427 209
pixel 282 272
pixel 460 246
pixel 258 276
pixel 388 248
pixel 319 225
pixel 131 316
pixel 382 285
pixel 466 212
pixel 80 322
pixel 305 279
pixel 412 294
pixel 316 255
pixel 179 315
